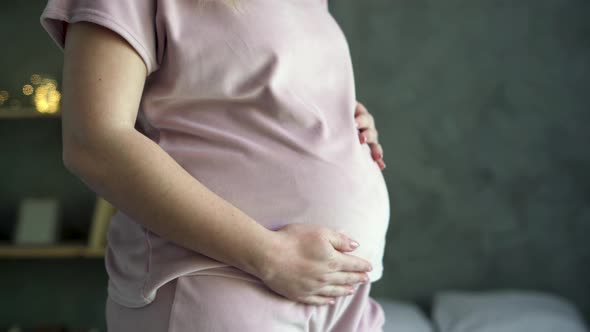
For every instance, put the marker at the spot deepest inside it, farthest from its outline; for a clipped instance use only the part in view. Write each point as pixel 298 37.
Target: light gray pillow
pixel 504 311
pixel 403 317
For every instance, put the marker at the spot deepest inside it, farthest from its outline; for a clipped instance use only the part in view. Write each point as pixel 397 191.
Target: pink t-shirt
pixel 257 103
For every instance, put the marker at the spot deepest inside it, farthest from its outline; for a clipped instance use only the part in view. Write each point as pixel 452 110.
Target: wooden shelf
pixel 25 113
pixel 59 251
pixel 95 247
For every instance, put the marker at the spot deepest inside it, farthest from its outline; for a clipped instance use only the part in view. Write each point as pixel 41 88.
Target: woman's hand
pixel 307 264
pixel 368 133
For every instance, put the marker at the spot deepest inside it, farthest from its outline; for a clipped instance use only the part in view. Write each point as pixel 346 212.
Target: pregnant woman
pixel 225 135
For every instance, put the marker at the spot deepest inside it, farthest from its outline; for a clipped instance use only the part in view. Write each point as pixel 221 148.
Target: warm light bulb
pixel 47 97
pixel 36 79
pixel 28 89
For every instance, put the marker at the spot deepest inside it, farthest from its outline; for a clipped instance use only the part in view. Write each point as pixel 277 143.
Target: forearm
pixel 138 177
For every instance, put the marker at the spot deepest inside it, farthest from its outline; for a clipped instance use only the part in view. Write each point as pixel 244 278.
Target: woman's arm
pixel 103 81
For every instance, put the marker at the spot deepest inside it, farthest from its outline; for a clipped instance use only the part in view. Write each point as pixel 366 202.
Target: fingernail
pixel 357 124
pixel 354 244
pixel 363 138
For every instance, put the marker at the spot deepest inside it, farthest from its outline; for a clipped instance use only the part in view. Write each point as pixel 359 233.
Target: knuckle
pixel 322 280
pixel 333 265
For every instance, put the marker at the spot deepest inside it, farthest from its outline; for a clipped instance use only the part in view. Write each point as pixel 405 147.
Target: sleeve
pixel 133 20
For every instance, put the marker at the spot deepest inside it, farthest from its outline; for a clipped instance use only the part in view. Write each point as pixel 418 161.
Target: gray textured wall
pixel 482 108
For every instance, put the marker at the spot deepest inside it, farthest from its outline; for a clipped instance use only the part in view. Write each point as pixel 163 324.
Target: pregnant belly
pixel 346 193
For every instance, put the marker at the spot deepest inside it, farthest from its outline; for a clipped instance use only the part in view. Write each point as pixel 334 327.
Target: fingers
pixel 376 151
pixel 319 300
pixel 342 283
pixel 342 242
pixel 360 109
pixel 369 136
pixel 336 290
pixel 364 120
pixel 345 262
pixel 346 278
pixel 381 164
pixel 327 294
pixel 365 123
pixel 350 263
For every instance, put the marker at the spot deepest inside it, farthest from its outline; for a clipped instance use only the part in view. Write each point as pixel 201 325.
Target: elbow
pixel 77 151
pixel 84 162
pixel 90 156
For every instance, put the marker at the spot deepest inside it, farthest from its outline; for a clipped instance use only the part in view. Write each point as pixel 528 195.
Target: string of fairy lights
pixel 41 94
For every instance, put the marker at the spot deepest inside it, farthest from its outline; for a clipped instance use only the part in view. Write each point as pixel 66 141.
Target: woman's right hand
pixel 307 264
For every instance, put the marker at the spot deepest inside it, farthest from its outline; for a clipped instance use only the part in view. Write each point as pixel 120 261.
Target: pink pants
pixel 216 303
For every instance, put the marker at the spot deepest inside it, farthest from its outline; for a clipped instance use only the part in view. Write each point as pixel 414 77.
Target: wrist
pixel 263 249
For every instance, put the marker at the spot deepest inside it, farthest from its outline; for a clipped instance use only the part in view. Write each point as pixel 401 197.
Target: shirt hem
pixel 125 301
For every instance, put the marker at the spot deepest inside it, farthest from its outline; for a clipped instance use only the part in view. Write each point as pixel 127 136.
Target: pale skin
pixel 103 79
pixel 368 133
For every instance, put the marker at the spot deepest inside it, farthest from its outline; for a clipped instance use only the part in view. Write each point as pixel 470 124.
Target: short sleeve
pixel 134 20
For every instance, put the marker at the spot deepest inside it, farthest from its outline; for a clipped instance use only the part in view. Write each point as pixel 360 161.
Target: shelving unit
pixel 58 251
pixel 94 248
pixel 25 113
pixel 95 245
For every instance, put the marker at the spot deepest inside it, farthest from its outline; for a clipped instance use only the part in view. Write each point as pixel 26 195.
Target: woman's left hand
pixel 368 133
